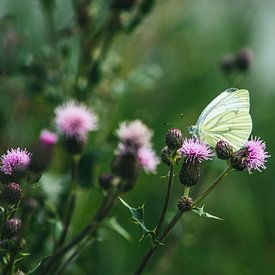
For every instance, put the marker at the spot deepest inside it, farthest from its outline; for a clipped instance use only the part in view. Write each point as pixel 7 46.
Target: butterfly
pixel 227 118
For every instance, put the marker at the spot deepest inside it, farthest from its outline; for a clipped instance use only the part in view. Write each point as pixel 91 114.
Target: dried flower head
pixel 134 132
pixel 47 137
pixel 75 120
pixel 195 150
pixel 256 154
pixel 15 158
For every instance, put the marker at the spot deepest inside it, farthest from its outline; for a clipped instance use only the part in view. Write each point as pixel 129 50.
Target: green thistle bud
pixel 12 193
pixel 224 150
pixel 174 139
pixel 73 145
pixel 125 165
pixel 185 204
pixel 238 159
pixel 105 181
pixel 190 173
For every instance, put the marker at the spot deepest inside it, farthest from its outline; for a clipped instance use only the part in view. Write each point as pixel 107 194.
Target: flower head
pixel 14 158
pixel 195 150
pixel 256 154
pixel 47 137
pixel 75 120
pixel 134 132
pixel 147 159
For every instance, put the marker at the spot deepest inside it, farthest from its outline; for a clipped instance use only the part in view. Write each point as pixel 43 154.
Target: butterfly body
pixel 225 118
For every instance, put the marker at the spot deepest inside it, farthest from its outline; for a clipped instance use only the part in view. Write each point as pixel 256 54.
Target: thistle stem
pixel 175 220
pixel 102 212
pixel 71 205
pixel 213 186
pixel 164 209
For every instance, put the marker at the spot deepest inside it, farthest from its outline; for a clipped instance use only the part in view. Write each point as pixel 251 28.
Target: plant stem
pixel 164 209
pixel 153 248
pixel 214 185
pixel 103 211
pixel 71 206
pixel 175 220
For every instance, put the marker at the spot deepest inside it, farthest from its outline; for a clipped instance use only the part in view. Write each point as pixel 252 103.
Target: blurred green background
pixel 167 67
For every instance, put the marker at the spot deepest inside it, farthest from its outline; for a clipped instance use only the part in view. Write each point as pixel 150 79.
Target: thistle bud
pixel 174 139
pixel 125 165
pixel 12 227
pixel 190 173
pixel 12 193
pixel 185 204
pixel 238 159
pixel 105 181
pixel 224 150
pixel 243 59
pixel 166 155
pixel 74 145
pixel 227 64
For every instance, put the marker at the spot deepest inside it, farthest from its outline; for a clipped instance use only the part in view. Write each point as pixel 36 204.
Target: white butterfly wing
pixel 226 118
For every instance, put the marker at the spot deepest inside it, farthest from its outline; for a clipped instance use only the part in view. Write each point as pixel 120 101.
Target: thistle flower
pixel 134 132
pixel 195 150
pixel 75 120
pixel 256 154
pixel 147 159
pixel 15 158
pixel 47 137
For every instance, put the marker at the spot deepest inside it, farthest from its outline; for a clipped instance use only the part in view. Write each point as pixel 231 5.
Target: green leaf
pixel 201 213
pixel 39 267
pixel 113 224
pixel 138 218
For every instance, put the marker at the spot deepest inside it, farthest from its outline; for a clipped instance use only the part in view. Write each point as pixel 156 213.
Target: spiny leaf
pixel 201 213
pixel 113 224
pixel 138 218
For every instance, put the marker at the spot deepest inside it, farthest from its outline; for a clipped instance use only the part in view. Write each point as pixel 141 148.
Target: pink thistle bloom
pixel 47 137
pixel 135 132
pixel 195 150
pixel 14 158
pixel 75 120
pixel 257 155
pixel 147 159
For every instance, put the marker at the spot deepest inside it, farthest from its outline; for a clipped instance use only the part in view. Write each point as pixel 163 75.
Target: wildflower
pixel 256 154
pixel 174 139
pixel 74 120
pixel 15 158
pixel 147 159
pixel 195 150
pixel 47 137
pixel 134 132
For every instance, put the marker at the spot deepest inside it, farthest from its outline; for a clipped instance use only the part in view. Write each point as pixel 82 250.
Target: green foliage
pixel 137 215
pixel 200 211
